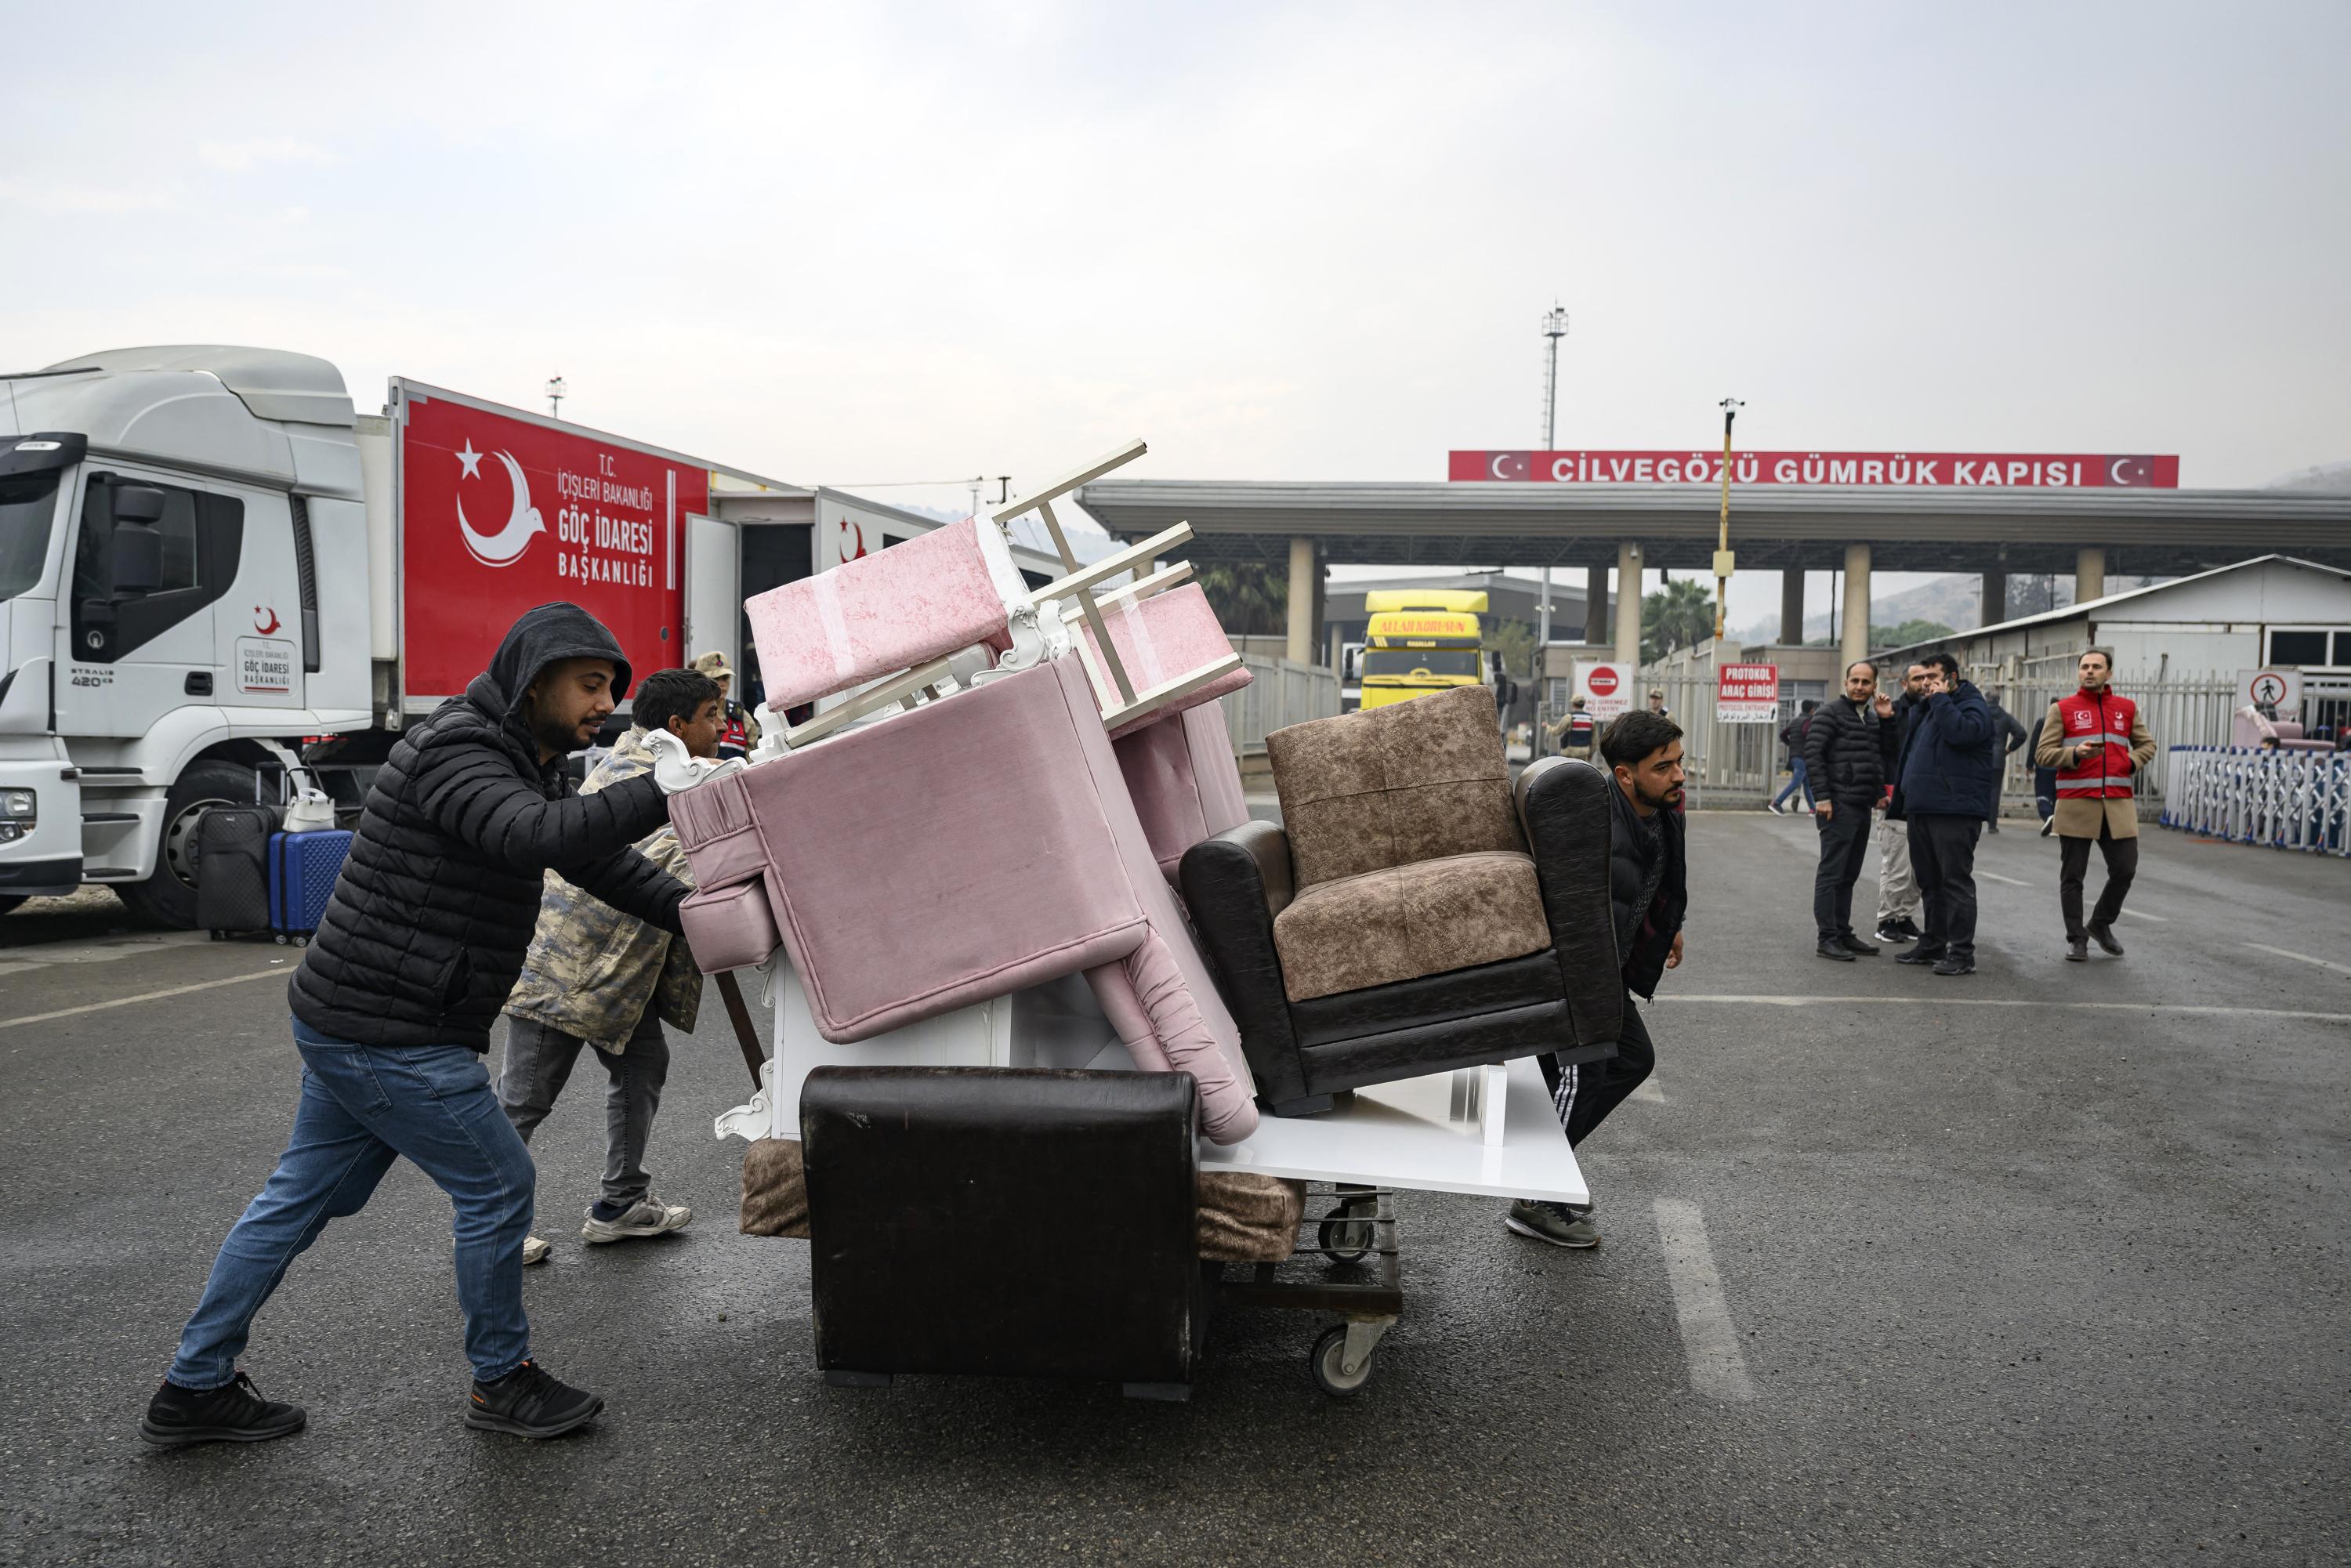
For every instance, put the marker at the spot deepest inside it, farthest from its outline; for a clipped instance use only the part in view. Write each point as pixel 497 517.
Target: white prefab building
pixel 2272 610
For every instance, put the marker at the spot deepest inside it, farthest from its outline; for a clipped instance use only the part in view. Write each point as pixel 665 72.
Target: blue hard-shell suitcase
pixel 302 872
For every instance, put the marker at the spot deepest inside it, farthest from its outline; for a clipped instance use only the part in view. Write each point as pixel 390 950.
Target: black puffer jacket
pixel 1849 753
pixel 427 928
pixel 1646 888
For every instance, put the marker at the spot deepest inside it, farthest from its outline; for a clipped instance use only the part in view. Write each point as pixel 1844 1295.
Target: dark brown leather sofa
pixel 1007 1222
pixel 1415 912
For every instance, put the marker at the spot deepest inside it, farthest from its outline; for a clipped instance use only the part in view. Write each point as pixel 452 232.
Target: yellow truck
pixel 1421 640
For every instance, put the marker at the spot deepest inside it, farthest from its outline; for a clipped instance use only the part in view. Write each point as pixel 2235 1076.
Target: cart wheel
pixel 301 941
pixel 281 939
pixel 1347 1232
pixel 219 935
pixel 1328 1350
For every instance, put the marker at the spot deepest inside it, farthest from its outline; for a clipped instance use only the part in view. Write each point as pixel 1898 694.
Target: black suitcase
pixel 232 869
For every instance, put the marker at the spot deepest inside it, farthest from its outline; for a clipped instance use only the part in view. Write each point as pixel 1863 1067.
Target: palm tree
pixel 1679 614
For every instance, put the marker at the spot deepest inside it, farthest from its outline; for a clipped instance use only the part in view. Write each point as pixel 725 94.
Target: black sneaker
pixel 530 1403
pixel 1855 945
pixel 1920 955
pixel 233 1412
pixel 1892 932
pixel 2048 826
pixel 1834 947
pixel 1956 966
pixel 1909 929
pixel 1556 1223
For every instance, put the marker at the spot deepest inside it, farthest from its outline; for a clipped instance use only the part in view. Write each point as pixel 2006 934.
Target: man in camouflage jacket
pixel 599 978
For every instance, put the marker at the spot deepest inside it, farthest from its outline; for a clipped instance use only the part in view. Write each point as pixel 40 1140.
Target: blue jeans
pixel 361 1109
pixel 1796 780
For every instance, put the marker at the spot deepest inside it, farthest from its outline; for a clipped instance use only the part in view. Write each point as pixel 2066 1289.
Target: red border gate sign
pixel 1746 694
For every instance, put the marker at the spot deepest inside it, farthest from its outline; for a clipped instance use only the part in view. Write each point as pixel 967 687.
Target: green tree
pixel 1251 599
pixel 1678 615
pixel 1513 643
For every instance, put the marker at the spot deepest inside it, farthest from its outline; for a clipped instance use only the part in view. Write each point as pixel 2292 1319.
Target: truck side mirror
pixel 138 552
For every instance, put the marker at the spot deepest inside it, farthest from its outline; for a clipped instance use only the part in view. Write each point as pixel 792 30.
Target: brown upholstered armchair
pixel 1415 913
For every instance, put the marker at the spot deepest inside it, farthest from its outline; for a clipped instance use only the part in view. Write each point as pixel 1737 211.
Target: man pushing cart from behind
pixel 392 1005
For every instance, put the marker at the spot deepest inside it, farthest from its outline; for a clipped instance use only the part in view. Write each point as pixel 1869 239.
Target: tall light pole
pixel 1554 327
pixel 1722 557
pixel 555 397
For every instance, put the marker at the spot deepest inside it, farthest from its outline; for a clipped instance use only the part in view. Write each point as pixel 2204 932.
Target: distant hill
pixel 1954 600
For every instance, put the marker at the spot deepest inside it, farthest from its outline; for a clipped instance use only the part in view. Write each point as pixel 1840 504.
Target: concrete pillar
pixel 1791 604
pixel 1595 604
pixel 1855 629
pixel 2090 574
pixel 1995 599
pixel 1305 587
pixel 1628 604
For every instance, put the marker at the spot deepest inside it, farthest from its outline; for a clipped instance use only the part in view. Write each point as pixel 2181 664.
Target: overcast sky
pixel 852 245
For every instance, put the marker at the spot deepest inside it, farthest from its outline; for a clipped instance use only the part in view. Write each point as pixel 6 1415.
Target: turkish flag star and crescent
pixel 500 514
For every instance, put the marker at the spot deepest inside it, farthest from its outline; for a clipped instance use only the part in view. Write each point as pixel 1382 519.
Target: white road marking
pixel 1650 1092
pixel 1933 1001
pixel 2143 915
pixel 2012 882
pixel 2303 958
pixel 1709 1343
pixel 145 997
pixel 103 951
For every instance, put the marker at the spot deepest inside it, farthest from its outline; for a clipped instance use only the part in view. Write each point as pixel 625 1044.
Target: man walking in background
pixel 2095 740
pixel 1848 749
pixel 1648 894
pixel 2017 738
pixel 1898 885
pixel 1950 767
pixel 1576 731
pixel 597 978
pixel 1791 735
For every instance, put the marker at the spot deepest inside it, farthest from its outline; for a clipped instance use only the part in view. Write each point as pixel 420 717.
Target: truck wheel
pixel 168 898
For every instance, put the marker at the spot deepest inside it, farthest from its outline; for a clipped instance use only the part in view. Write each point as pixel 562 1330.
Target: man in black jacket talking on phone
pixel 392 1005
pixel 1848 755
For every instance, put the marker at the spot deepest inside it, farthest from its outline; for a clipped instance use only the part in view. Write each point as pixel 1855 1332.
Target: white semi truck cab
pixel 184 600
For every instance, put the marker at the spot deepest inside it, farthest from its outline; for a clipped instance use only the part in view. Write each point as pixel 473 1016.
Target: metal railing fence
pixel 2286 800
pixel 1280 693
pixel 1739 764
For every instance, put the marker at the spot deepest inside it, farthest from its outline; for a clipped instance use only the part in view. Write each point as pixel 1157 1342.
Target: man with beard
pixel 1848 751
pixel 1949 770
pixel 392 1005
pixel 2095 741
pixel 1649 895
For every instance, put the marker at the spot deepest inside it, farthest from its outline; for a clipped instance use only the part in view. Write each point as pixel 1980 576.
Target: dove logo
pixel 523 523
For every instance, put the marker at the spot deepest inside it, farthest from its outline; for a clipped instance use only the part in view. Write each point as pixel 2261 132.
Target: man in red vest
pixel 2096 741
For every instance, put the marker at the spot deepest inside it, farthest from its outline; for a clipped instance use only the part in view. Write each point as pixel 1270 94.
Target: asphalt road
pixel 2043 1266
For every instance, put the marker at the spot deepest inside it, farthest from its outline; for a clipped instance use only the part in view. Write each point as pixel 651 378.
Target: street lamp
pixel 555 397
pixel 1722 557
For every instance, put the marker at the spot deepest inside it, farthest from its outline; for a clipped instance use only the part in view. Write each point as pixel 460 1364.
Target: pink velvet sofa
pixel 980 842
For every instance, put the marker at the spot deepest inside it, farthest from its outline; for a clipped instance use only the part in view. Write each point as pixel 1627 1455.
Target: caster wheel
pixel 301 941
pixel 1329 1351
pixel 218 935
pixel 1346 1232
pixel 281 939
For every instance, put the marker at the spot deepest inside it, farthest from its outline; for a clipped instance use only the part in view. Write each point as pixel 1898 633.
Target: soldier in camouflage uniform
pixel 599 978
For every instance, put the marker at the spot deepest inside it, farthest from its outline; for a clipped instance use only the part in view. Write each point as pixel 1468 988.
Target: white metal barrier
pixel 1282 693
pixel 2286 800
